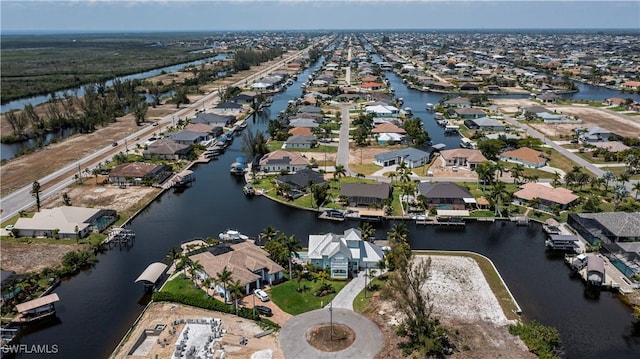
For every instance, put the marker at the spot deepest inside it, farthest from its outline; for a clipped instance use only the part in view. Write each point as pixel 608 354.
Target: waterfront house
pixel 467 112
pixel 525 156
pixel 310 110
pixel 619 233
pixel 167 149
pixel 300 131
pixel 187 137
pixel 468 86
pixel 302 179
pixel 446 195
pixel 215 119
pixel 282 160
pixel 548 97
pixel 383 110
pixel 387 127
pixel 343 254
pixel 137 173
pixel 228 108
pixel 243 98
pixel 303 122
pixel 212 131
pixel 485 124
pixel 534 110
pixel 365 194
pixel 459 102
pixel 548 196
pixel 247 263
pixel 462 157
pixel 65 222
pixel 412 157
pixel 300 142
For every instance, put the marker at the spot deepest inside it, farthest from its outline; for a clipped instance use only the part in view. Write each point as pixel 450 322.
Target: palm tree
pixel 174 254
pixel 269 233
pixel 517 171
pixel 340 171
pixel 555 179
pixel 235 292
pixel 636 187
pixel 620 192
pixel 623 178
pixel 608 177
pixel 367 231
pixel 35 191
pixel 498 193
pixel 498 169
pixel 392 175
pixel 195 267
pixel 224 277
pixel 485 173
pixel 360 175
pixel 535 203
pixel 206 283
pixel 184 263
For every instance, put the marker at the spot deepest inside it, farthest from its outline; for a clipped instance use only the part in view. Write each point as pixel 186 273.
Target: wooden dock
pixel 435 222
pixel 324 215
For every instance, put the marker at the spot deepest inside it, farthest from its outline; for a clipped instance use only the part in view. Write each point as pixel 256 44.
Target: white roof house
pixel 382 110
pixel 343 253
pixel 67 220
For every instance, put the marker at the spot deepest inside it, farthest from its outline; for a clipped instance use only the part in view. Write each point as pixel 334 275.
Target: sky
pixel 28 16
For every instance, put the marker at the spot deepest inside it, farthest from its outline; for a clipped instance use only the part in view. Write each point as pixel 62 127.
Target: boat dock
pixel 36 309
pixel 612 280
pixel 437 222
pixel 120 235
pixel 329 216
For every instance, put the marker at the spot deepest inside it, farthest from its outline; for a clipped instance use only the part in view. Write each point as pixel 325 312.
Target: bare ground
pixel 32 257
pixel 465 305
pixel 624 125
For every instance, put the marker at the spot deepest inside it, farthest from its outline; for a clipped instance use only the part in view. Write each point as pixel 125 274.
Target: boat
pixel 467 143
pixel 551 227
pixel 248 190
pixel 408 111
pixel 562 242
pixel 239 166
pixel 36 309
pixel 231 235
pixel 451 129
pixel 429 106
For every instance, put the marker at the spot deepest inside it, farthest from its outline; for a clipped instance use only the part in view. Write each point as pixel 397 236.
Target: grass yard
pixel 184 286
pixel 293 302
pixel 363 298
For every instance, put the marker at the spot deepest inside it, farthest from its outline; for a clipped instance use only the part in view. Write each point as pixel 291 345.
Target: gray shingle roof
pixel 621 224
pixel 443 190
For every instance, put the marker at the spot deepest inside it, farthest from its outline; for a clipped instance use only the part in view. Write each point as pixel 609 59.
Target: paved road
pixel 293 336
pixel 342 157
pixel 58 180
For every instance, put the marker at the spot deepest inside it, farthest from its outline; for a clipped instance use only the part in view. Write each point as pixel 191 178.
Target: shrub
pixel 541 340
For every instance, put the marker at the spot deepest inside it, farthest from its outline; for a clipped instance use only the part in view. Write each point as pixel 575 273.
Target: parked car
pixel 9 228
pixel 261 294
pixel 114 144
pixel 266 311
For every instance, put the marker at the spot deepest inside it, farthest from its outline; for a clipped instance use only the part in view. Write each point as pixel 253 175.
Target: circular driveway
pixel 293 336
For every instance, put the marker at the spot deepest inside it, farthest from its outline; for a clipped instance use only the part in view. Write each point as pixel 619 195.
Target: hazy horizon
pixel 63 17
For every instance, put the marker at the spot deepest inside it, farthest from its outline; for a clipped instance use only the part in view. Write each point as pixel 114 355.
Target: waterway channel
pixel 98 306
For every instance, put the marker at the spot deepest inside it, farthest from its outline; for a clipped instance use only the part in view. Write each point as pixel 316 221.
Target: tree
pixel 66 199
pixel 224 277
pixel 636 187
pixel 498 193
pixel 517 171
pixel 319 193
pixel 322 276
pixel 608 177
pixel 254 144
pixel 367 231
pixel 269 233
pixel 206 284
pixel 195 267
pixel 35 192
pixel 184 263
pixel 235 292
pixel 340 171
pixel 485 173
pixel 422 332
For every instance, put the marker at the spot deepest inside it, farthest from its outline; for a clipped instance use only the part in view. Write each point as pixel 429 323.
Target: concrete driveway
pixel 293 336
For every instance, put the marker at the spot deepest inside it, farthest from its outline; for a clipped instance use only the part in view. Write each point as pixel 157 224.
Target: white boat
pixel 231 234
pixel 429 106
pixel 467 143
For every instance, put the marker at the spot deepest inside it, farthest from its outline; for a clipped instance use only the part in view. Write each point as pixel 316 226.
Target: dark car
pixel 266 311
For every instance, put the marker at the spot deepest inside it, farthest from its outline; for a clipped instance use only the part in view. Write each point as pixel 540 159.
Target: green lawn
pixel 285 295
pixel 361 301
pixel 184 286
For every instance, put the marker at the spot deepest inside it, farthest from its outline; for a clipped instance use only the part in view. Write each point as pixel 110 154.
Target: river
pixel 98 306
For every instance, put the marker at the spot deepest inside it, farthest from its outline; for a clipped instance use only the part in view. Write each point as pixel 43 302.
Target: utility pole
pixel 331 321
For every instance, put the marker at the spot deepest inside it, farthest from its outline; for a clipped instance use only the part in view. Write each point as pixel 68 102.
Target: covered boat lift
pixel 36 309
pixel 152 274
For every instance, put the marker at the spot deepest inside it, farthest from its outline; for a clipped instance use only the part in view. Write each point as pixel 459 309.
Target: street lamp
pixel 331 321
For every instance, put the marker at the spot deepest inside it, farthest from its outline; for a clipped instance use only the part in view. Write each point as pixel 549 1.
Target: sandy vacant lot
pixel 465 304
pixel 236 328
pixel 624 125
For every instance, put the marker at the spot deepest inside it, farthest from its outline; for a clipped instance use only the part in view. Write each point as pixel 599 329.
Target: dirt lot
pixel 25 258
pixel 465 305
pixel 236 328
pixel 625 126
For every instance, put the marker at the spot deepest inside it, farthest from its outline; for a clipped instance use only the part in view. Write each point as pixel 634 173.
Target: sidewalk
pixel 344 299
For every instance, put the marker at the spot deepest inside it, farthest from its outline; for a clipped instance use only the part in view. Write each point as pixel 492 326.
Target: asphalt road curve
pixel 293 336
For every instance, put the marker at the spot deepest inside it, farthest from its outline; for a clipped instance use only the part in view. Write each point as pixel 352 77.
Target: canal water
pixel 98 306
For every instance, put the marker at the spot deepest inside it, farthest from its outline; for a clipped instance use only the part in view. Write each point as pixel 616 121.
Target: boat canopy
pixel 37 303
pixel 152 273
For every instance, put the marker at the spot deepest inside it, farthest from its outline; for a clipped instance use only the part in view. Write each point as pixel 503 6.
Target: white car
pixel 261 294
pixel 9 228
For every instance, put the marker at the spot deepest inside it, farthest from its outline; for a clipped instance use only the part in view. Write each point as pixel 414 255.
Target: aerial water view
pixel 320 179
